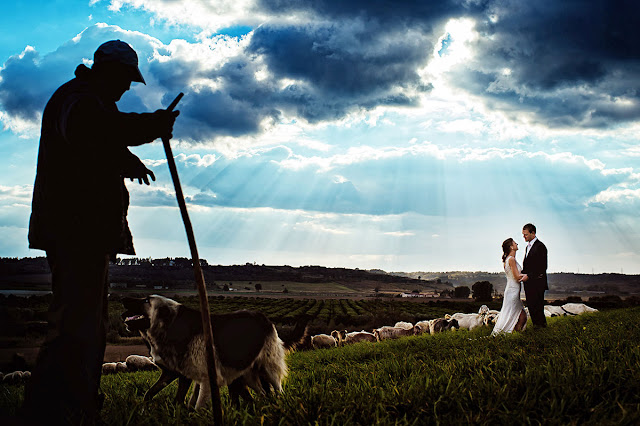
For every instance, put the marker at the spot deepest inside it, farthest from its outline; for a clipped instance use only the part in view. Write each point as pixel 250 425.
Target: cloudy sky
pixel 400 135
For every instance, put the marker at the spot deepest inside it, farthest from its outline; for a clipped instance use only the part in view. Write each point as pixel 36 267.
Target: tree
pixel 258 286
pixel 482 291
pixel 446 293
pixel 461 292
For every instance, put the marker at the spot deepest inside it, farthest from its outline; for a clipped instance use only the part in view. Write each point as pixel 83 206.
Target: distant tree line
pixel 482 292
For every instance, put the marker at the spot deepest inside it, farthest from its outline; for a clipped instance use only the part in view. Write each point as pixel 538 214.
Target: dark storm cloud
pixel 552 43
pixel 404 12
pixel 25 85
pixel 329 75
pixel 570 62
pixel 338 61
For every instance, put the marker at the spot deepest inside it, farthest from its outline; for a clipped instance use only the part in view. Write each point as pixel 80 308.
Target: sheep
pixel 468 321
pixel 577 308
pixel 471 321
pixel 484 309
pixel 491 317
pixel 109 368
pixel 16 377
pixel 421 327
pixel 359 336
pixel 339 336
pixel 387 332
pixel 323 341
pixel 121 367
pixel 404 324
pixel 442 324
pixel 140 363
pixel 554 311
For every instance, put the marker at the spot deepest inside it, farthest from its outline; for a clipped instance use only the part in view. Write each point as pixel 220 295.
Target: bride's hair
pixel 506 248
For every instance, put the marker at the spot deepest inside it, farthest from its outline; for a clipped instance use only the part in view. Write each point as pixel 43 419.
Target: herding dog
pixel 248 351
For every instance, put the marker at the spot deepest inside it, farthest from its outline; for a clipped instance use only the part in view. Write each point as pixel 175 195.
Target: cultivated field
pixel 580 370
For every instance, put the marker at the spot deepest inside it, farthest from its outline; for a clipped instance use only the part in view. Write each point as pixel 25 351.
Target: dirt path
pixel 113 353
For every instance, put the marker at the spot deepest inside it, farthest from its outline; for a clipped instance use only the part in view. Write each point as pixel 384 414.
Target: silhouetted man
pixel 79 217
pixel 535 266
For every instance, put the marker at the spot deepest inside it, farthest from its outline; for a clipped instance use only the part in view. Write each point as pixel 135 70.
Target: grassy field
pixel 580 370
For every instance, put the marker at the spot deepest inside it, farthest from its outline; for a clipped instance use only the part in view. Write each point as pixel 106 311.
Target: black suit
pixel 535 266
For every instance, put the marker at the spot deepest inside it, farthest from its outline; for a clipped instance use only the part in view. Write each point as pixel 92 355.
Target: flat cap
pixel 119 52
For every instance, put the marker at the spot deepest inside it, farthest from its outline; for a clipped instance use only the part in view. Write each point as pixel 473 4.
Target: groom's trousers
pixel 534 291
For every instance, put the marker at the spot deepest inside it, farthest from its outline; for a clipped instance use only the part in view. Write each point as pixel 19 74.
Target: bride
pixel 512 315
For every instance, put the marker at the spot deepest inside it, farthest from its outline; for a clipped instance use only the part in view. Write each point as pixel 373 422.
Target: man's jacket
pixel 79 196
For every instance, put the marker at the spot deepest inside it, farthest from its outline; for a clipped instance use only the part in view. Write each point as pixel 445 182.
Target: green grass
pixel 580 370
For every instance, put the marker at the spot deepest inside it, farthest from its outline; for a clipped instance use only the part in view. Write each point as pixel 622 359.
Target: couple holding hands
pixel 532 274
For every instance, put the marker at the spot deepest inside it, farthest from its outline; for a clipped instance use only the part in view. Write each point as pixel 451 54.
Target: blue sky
pixel 405 136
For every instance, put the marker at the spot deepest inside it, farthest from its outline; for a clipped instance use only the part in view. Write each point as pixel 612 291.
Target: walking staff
pixel 202 290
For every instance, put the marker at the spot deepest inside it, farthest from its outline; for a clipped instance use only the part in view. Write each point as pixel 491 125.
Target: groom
pixel 535 266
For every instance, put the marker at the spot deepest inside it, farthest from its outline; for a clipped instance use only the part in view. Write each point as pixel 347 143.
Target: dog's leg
pixel 166 377
pixel 238 388
pixel 183 388
pixel 204 396
pixel 194 395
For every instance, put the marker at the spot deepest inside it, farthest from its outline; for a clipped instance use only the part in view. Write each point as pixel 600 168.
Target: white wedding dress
pixel 511 304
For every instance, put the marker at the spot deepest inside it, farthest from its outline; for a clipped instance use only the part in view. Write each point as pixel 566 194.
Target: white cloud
pixel 20 194
pixel 633 151
pixel 196 159
pixel 617 195
pixel 206 15
pixel 400 233
pixel 24 128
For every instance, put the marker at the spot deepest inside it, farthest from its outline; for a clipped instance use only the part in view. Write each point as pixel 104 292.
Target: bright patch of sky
pixel 311 133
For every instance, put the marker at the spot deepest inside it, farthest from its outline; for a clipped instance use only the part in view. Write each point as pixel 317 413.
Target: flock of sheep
pixel 484 317
pixel 132 363
pixel 15 377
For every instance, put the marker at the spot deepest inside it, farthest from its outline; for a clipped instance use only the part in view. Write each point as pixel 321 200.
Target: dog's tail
pixel 297 337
